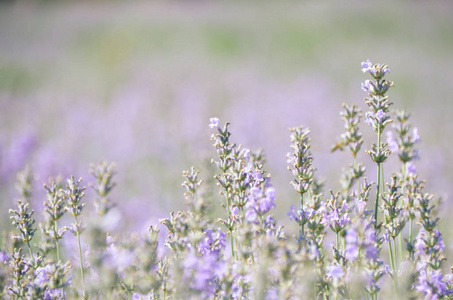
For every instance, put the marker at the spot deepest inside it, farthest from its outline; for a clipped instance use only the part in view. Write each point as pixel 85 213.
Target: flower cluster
pixel 338 253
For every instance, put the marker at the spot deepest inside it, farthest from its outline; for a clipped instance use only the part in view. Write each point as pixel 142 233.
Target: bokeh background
pixel 136 82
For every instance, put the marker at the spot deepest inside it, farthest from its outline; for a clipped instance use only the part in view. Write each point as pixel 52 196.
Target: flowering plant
pixel 340 251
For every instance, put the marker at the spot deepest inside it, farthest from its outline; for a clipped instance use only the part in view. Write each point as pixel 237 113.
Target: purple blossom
pixel 366 66
pixel 136 296
pixel 235 211
pixel 212 242
pixel 374 70
pixel 336 218
pixel 392 143
pixel 351 239
pixel 201 272
pixel 118 258
pixel 251 215
pixel 369 118
pixel 410 168
pixel 415 136
pixel 380 115
pixel 301 216
pixel 214 123
pixel 4 257
pixel 432 284
pixel 268 202
pixel 335 272
pixel 368 86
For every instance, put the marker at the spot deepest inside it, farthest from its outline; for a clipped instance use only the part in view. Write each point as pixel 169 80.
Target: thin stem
pixel 31 254
pixel 232 243
pixel 400 238
pixel 82 273
pixel 377 195
pixel 357 179
pixel 396 258
pixel 336 241
pixel 378 179
pixel 410 236
pixel 392 263
pixel 58 249
pixel 231 230
pixel 302 232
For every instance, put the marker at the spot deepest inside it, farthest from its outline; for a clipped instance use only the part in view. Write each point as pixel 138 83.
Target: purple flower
pixel 375 71
pixel 380 115
pixel 366 86
pixel 251 215
pixel 268 202
pixel 336 218
pixel 119 258
pixel 415 136
pixel 431 283
pixel 292 214
pixel 335 272
pixel 201 272
pixel 410 168
pixel 3 257
pixel 235 211
pixel 212 242
pixel 392 143
pixel 136 296
pixel 214 123
pixel 369 118
pixel 351 239
pixel 366 66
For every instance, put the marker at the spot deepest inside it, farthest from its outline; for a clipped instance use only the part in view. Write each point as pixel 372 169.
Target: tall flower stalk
pixel 300 165
pixel 225 179
pixel 352 139
pixel 377 117
pixel 74 194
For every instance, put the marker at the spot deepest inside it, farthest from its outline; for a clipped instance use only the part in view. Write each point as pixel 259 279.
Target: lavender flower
pixel 335 272
pixel 214 123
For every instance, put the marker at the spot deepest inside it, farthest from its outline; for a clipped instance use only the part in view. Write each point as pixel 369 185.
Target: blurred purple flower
pixel 212 242
pixel 431 283
pixel 366 66
pixel 392 143
pixel 415 136
pixel 410 168
pixel 335 272
pixel 201 271
pixel 251 215
pixel 380 115
pixel 351 239
pixel 214 123
pixel 235 211
pixel 4 257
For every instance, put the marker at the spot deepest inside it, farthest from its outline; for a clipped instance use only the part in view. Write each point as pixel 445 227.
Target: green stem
pixel 396 258
pixel 378 180
pixel 377 195
pixel 336 241
pixel 400 238
pixel 31 254
pixel 392 263
pixel 232 243
pixel 82 273
pixel 58 250
pixel 231 230
pixel 302 232
pixel 356 164
pixel 410 237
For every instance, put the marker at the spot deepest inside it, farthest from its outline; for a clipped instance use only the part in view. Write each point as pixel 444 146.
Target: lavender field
pixel 136 84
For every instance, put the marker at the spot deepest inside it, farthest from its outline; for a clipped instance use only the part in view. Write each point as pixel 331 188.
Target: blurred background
pixel 136 82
